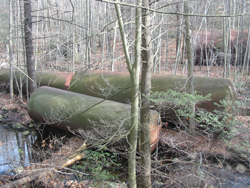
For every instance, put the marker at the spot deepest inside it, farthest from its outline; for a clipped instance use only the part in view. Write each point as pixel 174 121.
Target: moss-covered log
pixel 105 119
pixel 116 86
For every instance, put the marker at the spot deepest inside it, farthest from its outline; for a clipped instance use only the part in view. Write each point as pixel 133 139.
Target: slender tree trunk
pixel 206 48
pixel 229 40
pixel 166 50
pixel 103 49
pixel 178 39
pixel 229 49
pixel 246 52
pixel 147 61
pixel 114 45
pixel 184 62
pixel 234 11
pixel 18 55
pixel 29 46
pixel 23 43
pixel 134 71
pixel 10 47
pixel 236 51
pixel 134 74
pixel 190 56
pixel 225 47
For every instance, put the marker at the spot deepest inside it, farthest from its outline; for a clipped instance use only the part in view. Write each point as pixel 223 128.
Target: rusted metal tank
pixel 67 111
pixel 116 86
pixel 60 80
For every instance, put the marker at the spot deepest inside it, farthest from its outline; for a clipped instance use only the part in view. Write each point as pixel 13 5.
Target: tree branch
pixel 177 13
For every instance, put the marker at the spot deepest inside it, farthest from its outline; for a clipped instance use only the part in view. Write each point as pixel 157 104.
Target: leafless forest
pixel 208 38
pixel 72 35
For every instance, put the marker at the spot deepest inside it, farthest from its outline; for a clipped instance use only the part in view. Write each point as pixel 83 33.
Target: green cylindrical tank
pixel 112 85
pixel 18 77
pixel 68 110
pixel 55 79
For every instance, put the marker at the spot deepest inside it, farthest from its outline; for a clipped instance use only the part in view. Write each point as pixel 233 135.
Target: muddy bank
pixel 13 110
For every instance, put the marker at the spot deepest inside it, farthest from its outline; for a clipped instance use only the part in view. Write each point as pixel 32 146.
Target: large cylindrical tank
pixel 60 80
pixel 18 80
pixel 104 119
pixel 55 79
pixel 116 86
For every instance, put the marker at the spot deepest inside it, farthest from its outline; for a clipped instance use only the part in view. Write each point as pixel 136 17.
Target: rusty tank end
pixel 60 80
pixel 68 110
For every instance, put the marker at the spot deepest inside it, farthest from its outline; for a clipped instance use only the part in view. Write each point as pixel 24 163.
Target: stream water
pixel 15 149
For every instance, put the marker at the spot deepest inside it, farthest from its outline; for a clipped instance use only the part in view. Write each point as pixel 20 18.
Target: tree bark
pixel 29 46
pixel 147 61
pixel 190 56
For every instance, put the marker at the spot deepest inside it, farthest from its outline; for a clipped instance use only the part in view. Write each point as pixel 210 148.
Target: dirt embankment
pixel 13 110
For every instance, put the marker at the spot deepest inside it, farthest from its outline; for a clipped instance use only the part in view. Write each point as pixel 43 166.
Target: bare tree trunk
pixel 134 74
pixel 23 43
pixel 229 49
pixel 103 50
pixel 234 11
pixel 18 55
pixel 229 40
pixel 225 47
pixel 29 46
pixel 178 39
pixel 206 48
pixel 147 61
pixel 236 51
pixel 10 46
pixel 114 44
pixel 134 71
pixel 190 56
pixel 166 51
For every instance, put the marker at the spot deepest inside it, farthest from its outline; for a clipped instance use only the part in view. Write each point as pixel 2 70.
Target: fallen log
pixel 105 84
pixel 104 120
pixel 21 182
pixel 38 175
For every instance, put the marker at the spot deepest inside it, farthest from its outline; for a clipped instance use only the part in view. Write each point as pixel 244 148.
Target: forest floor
pixel 181 160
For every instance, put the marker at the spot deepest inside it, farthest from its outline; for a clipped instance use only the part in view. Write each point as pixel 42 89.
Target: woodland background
pixel 73 35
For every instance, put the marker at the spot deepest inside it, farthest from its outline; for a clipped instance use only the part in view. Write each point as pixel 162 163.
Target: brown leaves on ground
pixel 183 142
pixel 17 108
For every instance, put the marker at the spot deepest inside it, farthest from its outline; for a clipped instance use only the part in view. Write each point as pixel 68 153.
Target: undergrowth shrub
pixel 100 165
pixel 218 122
pixel 221 121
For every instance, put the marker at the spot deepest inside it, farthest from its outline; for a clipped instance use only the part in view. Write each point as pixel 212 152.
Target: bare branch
pixel 176 13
